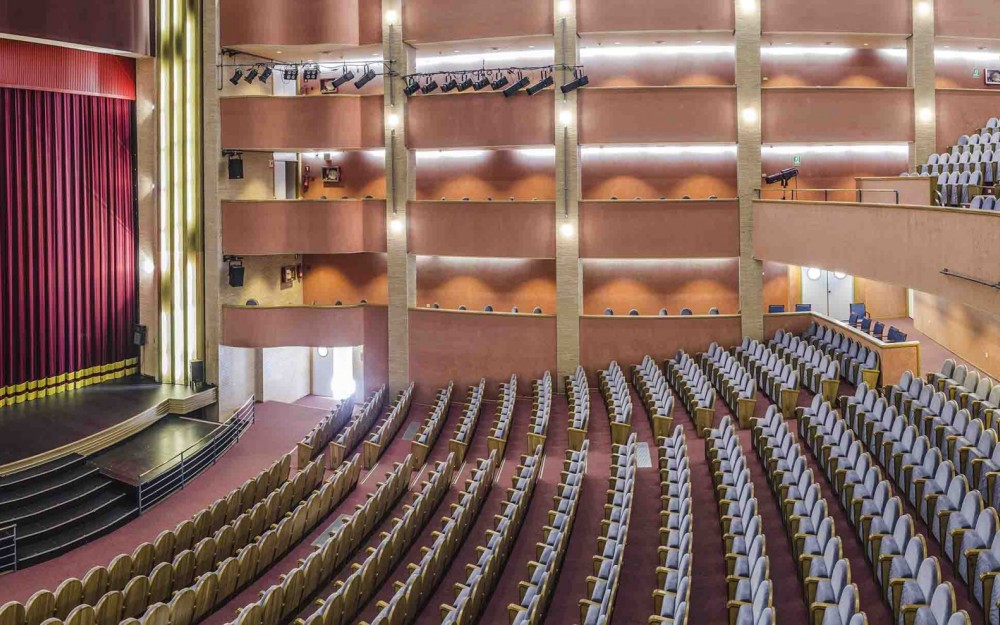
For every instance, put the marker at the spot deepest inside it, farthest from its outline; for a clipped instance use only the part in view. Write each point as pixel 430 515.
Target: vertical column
pixel 212 143
pixel 748 161
pixel 399 170
pixel 921 79
pixel 568 275
pixel 146 71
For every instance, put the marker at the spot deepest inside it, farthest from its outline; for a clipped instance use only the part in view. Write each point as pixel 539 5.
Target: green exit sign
pixel 976 73
pixel 796 160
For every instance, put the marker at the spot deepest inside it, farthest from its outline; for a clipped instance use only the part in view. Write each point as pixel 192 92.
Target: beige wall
pixel 237 375
pixel 973 335
pixel 285 373
pixel 882 300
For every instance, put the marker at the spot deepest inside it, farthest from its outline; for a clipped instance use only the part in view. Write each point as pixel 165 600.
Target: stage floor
pixel 39 426
pixel 152 447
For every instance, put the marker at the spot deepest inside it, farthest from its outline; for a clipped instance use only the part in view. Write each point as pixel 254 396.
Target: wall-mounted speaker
pixel 236 273
pixel 235 168
pixel 197 372
pixel 139 335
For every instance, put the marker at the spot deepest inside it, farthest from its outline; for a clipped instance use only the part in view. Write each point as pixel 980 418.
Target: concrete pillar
pixel 921 79
pixel 569 291
pixel 399 171
pixel 748 111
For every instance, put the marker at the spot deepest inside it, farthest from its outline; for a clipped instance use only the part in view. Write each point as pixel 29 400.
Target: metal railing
pixel 962 276
pixel 158 483
pixel 8 548
pixel 794 194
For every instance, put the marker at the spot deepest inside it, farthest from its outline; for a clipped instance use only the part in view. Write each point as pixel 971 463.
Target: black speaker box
pixel 236 169
pixel 236 276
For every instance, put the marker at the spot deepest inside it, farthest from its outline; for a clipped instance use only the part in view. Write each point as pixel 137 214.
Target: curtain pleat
pixel 67 234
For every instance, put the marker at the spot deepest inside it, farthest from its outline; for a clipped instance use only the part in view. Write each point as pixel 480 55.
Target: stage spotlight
pixel 310 73
pixel 430 86
pixel 344 79
pixel 412 87
pixel 465 84
pixel 236 77
pixel 481 84
pixel 250 75
pixel 546 81
pixel 290 73
pixel 513 89
pixel 366 78
pixel 264 75
pixel 449 85
pixel 576 83
pixel 782 176
pixel 499 83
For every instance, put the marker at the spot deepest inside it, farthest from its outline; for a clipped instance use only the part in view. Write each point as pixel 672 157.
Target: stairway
pixel 61 505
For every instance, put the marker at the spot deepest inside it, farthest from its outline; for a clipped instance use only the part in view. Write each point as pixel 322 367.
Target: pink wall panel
pixel 288 22
pixel 607 173
pixel 628 339
pixel 502 229
pixel 464 346
pixel 859 67
pixel 298 123
pixel 595 16
pixel 480 120
pixel 50 68
pixel 376 363
pixel 956 73
pixel 649 285
pixel 845 16
pixel 475 282
pixel 120 25
pixel 362 173
pixel 790 115
pixel 450 20
pixel 850 238
pixel 369 22
pixel 678 70
pixel 348 278
pixel 497 174
pixel 968 18
pixel 293 326
pixel 651 115
pixel 962 112
pixel 684 229
pixel 302 227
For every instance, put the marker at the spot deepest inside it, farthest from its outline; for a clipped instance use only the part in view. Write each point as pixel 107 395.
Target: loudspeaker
pixel 197 372
pixel 139 335
pixel 235 168
pixel 236 275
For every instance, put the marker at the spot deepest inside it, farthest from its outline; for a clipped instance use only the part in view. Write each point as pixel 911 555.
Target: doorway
pixel 338 372
pixel 829 292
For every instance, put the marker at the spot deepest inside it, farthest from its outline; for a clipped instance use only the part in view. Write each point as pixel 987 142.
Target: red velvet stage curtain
pixel 67 237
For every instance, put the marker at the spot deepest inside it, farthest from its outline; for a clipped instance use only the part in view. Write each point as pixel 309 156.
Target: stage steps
pixel 61 505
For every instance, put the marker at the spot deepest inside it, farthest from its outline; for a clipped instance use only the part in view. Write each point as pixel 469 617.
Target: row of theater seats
pixel 780 308
pixel 597 607
pixel 500 429
pixel 350 595
pixel 543 572
pixel 313 443
pixel 826 575
pixel 964 170
pixel 735 384
pixel 693 388
pixel 817 361
pixel 973 390
pixel 776 377
pixel 429 431
pixel 910 579
pixel 984 203
pixel 876 329
pixel 102 586
pixel 466 426
pixel 857 363
pixel 647 377
pixel 957 188
pixel 482 577
pixel 685 312
pixel 177 604
pixel 750 591
pixel 618 399
pixel 578 399
pixel 541 410
pixel 280 601
pixel 979 157
pixel 672 594
pixel 385 430
pixel 424 575
pixel 362 421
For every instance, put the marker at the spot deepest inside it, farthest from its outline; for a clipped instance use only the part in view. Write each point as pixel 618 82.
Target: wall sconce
pixel 566 230
pixel 924 9
pixel 926 115
pixel 748 6
pixel 565 117
pixel 392 121
pixel 565 7
pixel 396 225
pixel 749 115
pixel 391 17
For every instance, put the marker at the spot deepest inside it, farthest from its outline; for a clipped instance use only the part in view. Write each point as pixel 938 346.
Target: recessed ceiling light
pixel 788 43
pixel 618 43
pixel 699 41
pixel 279 51
pixel 866 45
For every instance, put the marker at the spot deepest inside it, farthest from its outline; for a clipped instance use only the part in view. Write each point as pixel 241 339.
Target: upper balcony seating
pixel 984 202
pixel 578 398
pixel 733 381
pixel 694 389
pixel 673 574
pixel 655 395
pixel 543 571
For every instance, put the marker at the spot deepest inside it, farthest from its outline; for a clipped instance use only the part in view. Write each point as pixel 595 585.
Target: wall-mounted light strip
pixel 433 155
pixel 895 149
pixel 663 150
pixel 545 56
pixel 594 52
pixel 977 56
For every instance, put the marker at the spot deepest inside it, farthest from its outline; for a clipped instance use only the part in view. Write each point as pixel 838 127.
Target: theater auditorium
pixel 520 312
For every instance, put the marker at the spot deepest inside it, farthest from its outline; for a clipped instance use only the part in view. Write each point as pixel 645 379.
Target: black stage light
pixel 513 89
pixel 345 78
pixel 290 73
pixel 576 83
pixel 480 84
pixel 430 86
pixel 499 83
pixel 465 84
pixel 541 84
pixel 310 73
pixel 264 75
pixel 449 85
pixel 782 176
pixel 411 87
pixel 250 75
pixel 366 78
pixel 236 76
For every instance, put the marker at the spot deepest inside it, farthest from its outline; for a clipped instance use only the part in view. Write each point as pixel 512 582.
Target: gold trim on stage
pixel 44 387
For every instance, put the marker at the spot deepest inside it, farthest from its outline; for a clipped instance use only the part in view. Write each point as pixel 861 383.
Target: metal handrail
pixel 8 547
pixel 193 460
pixel 794 193
pixel 962 276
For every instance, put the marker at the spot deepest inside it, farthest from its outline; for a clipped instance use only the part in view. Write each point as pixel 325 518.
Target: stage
pixel 88 420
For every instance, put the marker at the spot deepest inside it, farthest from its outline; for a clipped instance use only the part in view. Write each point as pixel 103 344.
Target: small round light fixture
pixel 840 275
pixel 813 274
pixel 322 352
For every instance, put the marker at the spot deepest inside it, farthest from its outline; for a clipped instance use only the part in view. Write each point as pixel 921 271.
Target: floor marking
pixel 370 472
